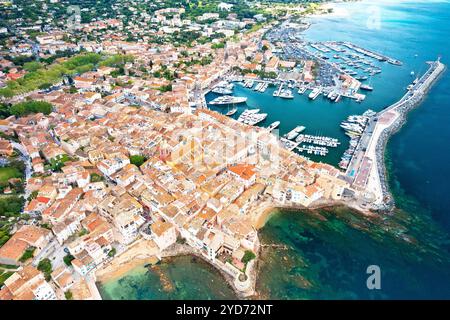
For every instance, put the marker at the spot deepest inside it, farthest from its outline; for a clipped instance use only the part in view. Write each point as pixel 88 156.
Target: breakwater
pixel 412 99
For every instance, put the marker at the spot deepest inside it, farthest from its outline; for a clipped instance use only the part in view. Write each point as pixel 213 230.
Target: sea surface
pixel 329 250
pixel 182 277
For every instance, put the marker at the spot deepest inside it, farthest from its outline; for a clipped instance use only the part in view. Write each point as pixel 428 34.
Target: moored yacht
pixel 366 87
pixel 226 100
pixel 315 93
pixel 222 90
pixel 294 132
pixel 286 94
pixel 273 125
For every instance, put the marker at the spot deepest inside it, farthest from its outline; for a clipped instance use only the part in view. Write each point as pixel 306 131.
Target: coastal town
pixel 110 156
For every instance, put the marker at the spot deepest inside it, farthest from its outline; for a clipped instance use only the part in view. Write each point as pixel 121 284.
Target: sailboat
pixel 232 111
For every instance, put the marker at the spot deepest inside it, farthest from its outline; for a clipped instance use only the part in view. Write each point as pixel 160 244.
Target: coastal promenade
pixel 367 169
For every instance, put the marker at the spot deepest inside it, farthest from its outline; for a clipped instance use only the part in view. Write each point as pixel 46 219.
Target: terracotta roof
pixel 245 171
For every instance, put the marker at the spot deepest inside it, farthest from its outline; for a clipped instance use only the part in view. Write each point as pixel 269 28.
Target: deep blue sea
pixel 327 259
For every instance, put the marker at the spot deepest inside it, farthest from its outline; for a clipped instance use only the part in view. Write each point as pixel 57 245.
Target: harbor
pixel 335 108
pixel 321 117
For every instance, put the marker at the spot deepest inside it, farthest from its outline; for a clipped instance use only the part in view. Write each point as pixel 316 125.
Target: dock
pixel 366 169
pixel 310 149
pixel 278 91
pixel 288 144
pixel 318 140
pixel 370 53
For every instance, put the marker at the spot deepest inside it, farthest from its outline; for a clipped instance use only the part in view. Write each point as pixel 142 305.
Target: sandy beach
pixel 141 253
pixel 336 11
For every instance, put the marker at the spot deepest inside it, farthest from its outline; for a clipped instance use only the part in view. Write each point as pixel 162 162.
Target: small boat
pixel 362 78
pixel 231 112
pixel 286 94
pixel 366 87
pixel 274 125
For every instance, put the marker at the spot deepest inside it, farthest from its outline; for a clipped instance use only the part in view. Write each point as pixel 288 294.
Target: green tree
pixel 166 88
pixel 112 252
pixel 4 111
pixel 68 295
pixel 45 266
pixel 248 256
pixel 28 254
pixel 68 259
pixel 137 160
pixel 32 66
pixel 29 107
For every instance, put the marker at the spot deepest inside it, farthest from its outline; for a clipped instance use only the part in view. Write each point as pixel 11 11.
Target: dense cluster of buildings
pixel 204 178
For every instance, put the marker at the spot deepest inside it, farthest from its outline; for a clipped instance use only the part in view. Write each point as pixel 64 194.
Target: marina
pixel 354 127
pixel 369 53
pixel 248 84
pixel 261 86
pixel 223 88
pixel 347 74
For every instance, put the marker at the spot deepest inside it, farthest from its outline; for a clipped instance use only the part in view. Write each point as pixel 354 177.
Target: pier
pixel 318 140
pixel 366 169
pixel 278 91
pixel 310 149
pixel 369 53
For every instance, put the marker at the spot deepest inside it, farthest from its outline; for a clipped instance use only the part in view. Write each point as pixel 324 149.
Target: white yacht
pixel 226 100
pixel 286 94
pixel 273 125
pixel 315 93
pixel 294 132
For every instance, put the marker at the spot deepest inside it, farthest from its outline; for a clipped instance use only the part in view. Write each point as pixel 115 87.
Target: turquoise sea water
pixel 181 277
pixel 328 259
